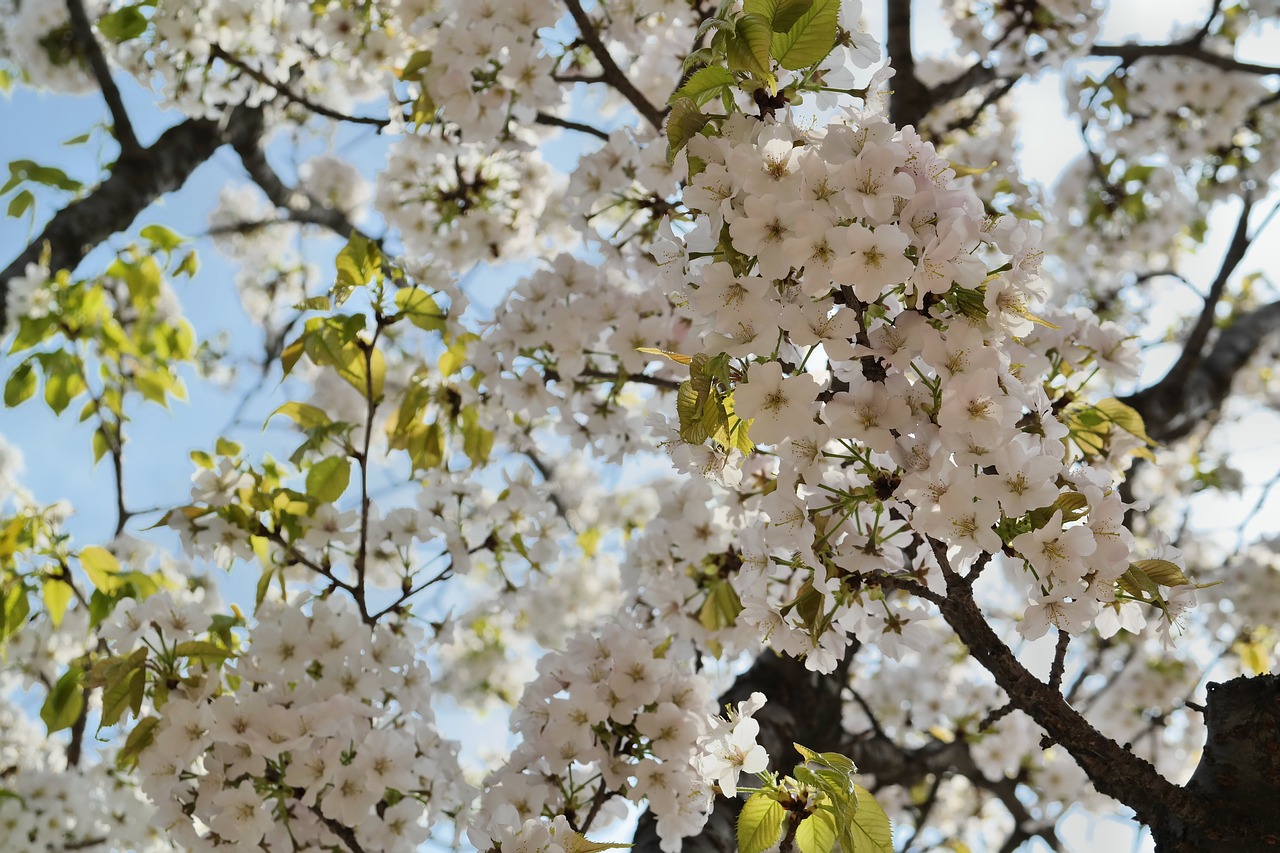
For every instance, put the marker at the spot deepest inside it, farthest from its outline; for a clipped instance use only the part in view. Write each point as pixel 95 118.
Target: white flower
pixel 731 747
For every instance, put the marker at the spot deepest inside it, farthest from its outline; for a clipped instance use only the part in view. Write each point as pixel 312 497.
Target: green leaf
pixel 62 380
pixel 1125 417
pixel 29 170
pixel 102 568
pixel 57 595
pixel 705 85
pixel 869 829
pixel 426 447
pixel 124 692
pixel 810 38
pixel 162 237
pixel 477 442
pixel 747 50
pixel 15 611
pixel 139 739
pixel 20 203
pixel 328 478
pixel 683 123
pixel 313 303
pixel 202 650
pixel 21 384
pixel 304 415
pixel 788 13
pixel 290 354
pixel 123 24
pixel 64 703
pixel 190 265
pixel 760 823
pixel 420 308
pixel 1162 572
pixel 359 263
pixel 816 833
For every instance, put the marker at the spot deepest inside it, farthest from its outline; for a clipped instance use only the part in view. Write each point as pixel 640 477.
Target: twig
pixel 1130 52
pixel 1059 660
pixel 123 128
pixel 610 72
pixel 556 121
pixel 294 97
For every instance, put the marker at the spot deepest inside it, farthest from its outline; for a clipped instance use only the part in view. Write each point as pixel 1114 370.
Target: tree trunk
pixel 1238 776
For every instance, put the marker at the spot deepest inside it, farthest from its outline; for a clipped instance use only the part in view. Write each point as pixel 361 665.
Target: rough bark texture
pixel 1238 775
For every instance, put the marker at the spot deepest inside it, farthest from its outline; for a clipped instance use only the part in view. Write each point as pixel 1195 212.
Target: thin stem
pixel 294 97
pixel 555 121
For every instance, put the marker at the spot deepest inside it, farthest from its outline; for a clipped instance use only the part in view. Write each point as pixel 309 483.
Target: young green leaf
pixel 760 823
pixel 810 38
pixel 328 478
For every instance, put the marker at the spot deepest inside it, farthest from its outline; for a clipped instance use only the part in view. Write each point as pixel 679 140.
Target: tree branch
pixel 1199 381
pixel 556 121
pixel 123 128
pixel 910 99
pixel 293 97
pixel 301 207
pixel 131 187
pixel 610 72
pixel 1113 770
pixel 1130 52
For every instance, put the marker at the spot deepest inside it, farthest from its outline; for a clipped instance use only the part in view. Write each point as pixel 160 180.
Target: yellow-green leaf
pixel 64 703
pixel 304 415
pixel 747 49
pixel 420 308
pixel 809 39
pixel 683 123
pixel 760 823
pixel 1162 572
pixel 705 84
pixel 102 568
pixel 869 829
pixel 21 384
pixel 139 739
pixel 57 595
pixel 328 478
pixel 816 833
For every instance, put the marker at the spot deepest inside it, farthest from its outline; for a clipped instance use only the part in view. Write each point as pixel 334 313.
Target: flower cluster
pixel 322 732
pixel 937 407
pixel 612 718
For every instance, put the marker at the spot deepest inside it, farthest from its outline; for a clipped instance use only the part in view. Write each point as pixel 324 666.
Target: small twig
pixel 556 121
pixel 610 72
pixel 1059 660
pixel 293 97
pixel 123 128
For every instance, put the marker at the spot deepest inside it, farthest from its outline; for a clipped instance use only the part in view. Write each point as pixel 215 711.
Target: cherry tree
pixel 705 388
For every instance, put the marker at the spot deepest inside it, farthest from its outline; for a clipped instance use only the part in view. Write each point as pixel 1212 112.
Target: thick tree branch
pixel 1113 770
pixel 123 128
pixel 610 72
pixel 133 185
pixel 910 99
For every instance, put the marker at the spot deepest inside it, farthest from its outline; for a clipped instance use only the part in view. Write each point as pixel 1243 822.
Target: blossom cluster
pixel 612 718
pixel 322 731
pixel 890 356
